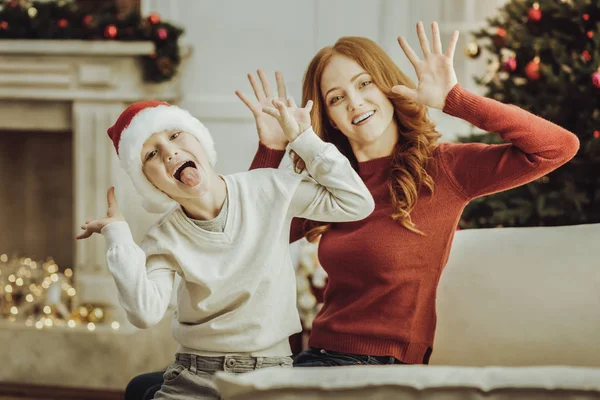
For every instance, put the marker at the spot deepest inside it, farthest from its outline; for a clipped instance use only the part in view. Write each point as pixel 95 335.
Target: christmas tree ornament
pixel 596 78
pixel 110 32
pixel 535 13
pixel 586 17
pixel 32 12
pixel 63 23
pixel 590 34
pixel 532 69
pixel 87 20
pixel 510 65
pixel 4 25
pixel 586 56
pixel 597 134
pixel 153 18
pixel 472 50
pixel 499 38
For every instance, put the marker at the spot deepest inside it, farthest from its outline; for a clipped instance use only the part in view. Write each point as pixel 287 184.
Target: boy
pixel 226 236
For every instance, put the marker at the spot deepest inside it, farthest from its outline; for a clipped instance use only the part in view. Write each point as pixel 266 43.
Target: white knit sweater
pixel 237 293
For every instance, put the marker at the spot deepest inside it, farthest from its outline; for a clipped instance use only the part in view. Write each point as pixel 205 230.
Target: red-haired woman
pixel 379 304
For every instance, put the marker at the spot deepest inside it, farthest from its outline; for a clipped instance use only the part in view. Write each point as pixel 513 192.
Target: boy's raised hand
pixel 269 131
pixel 293 120
pixel 112 215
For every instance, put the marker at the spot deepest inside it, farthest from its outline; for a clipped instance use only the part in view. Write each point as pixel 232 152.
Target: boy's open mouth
pixel 180 171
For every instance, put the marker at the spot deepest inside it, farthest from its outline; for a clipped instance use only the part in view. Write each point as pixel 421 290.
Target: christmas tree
pixel 544 56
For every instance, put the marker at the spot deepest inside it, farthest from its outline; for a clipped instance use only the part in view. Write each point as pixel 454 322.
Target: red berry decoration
pixel 586 17
pixel 110 32
pixel 88 20
pixel 590 34
pixel 154 18
pixel 586 55
pixel 162 34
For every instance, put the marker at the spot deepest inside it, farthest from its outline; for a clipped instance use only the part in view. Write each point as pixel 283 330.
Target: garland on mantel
pixel 64 19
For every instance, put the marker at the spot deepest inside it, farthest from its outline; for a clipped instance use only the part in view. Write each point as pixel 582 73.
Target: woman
pixel 379 304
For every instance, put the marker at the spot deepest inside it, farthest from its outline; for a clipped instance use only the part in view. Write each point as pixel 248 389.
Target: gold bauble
pixel 472 50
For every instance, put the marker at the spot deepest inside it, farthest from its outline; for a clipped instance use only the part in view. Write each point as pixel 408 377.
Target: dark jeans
pixel 326 358
pixel 143 387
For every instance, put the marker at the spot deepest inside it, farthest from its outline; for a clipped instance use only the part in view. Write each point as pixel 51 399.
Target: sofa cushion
pixel 520 296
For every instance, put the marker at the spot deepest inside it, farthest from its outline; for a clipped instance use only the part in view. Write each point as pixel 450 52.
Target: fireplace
pixel 36 199
pixel 57 98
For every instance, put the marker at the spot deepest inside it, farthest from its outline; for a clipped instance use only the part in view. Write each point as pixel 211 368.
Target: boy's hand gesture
pixel 112 215
pixel 269 130
pixel 293 120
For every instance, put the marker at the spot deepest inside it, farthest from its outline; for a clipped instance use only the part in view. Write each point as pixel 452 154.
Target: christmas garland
pixel 66 20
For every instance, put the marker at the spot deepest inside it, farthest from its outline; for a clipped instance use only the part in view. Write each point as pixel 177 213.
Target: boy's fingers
pixel 271 111
pixel 309 105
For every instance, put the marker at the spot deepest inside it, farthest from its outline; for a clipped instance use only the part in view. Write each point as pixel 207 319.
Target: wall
pixel 231 38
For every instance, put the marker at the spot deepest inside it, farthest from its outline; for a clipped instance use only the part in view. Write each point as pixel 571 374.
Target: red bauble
pixel 3 25
pixel 590 34
pixel 532 69
pixel 162 34
pixel 88 20
pixel 499 38
pixel 110 32
pixel 510 65
pixel 154 18
pixel 63 23
pixel 586 17
pixel 596 79
pixel 534 14
pixel 597 134
pixel 586 55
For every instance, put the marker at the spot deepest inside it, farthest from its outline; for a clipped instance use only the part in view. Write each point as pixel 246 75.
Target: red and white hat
pixel 135 125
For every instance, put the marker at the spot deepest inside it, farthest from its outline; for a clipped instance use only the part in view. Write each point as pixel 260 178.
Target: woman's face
pixel 356 106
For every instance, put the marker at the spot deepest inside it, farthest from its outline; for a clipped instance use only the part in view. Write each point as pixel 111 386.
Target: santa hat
pixel 135 125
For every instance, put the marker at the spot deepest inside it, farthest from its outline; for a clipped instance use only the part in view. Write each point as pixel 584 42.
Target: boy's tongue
pixel 190 176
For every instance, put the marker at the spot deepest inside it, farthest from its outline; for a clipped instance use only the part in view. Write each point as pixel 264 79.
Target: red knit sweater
pixel 380 296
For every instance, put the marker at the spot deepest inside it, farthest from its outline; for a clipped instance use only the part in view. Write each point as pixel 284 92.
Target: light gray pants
pixel 191 376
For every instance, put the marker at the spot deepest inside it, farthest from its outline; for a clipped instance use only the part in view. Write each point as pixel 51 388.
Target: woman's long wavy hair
pixel 417 134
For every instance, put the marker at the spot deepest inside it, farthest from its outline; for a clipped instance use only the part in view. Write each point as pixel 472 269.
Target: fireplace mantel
pixel 82 86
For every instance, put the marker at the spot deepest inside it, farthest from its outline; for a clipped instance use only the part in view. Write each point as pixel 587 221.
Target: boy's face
pixel 165 155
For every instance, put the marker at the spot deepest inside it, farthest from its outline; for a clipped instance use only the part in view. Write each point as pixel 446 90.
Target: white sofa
pixel 518 318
